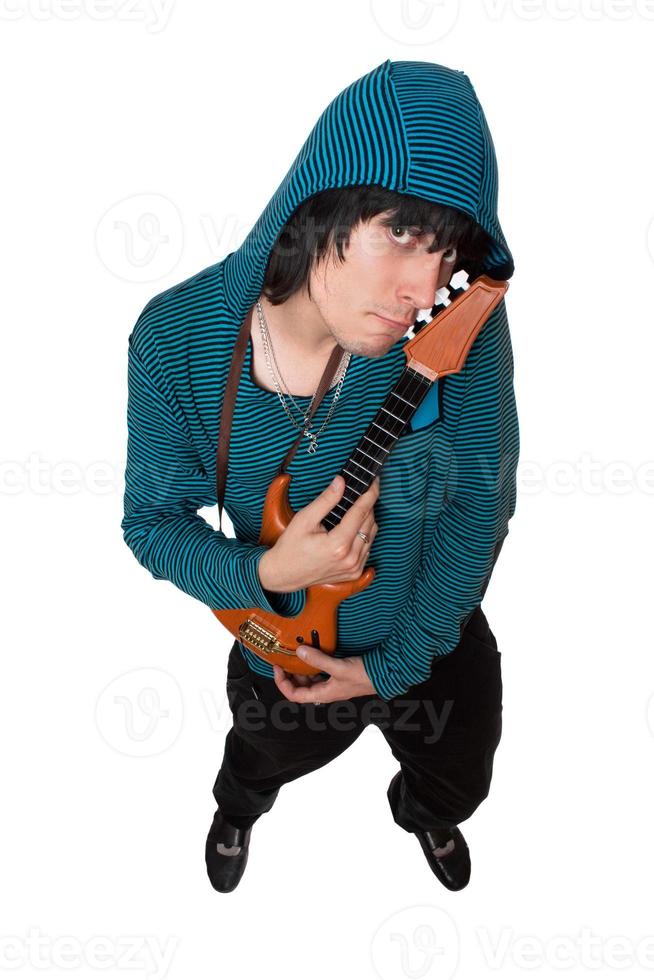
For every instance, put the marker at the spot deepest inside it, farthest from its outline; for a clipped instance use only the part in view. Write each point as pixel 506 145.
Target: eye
pixel 409 234
pixel 404 232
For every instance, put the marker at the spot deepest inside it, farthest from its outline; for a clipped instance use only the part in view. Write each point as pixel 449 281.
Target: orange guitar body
pixel 275 638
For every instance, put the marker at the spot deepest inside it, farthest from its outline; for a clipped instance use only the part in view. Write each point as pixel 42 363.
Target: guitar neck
pixel 373 448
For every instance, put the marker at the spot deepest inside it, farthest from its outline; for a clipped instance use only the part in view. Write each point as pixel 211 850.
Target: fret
pixel 340 506
pixel 397 395
pixel 373 458
pixel 368 439
pixel 346 500
pixel 360 466
pixel 383 429
pixel 409 391
pixel 345 470
pixel 402 404
pixel 382 409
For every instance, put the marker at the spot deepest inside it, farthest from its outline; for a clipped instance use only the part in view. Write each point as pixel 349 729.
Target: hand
pixel 306 553
pixel 348 678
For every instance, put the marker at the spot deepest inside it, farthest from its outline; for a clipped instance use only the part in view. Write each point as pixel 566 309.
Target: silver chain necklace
pixel 342 368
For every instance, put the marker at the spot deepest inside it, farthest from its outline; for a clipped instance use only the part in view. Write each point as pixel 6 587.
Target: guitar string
pixel 409 384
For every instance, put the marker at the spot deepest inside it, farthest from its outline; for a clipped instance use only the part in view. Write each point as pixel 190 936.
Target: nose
pixel 421 280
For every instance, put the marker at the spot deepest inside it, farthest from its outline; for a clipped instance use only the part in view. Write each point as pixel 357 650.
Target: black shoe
pixel 445 849
pixel 226 853
pixel 447 855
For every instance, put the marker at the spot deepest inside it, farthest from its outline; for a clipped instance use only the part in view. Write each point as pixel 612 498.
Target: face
pixel 387 275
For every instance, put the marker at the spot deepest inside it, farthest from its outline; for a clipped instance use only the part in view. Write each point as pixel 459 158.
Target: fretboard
pixel 373 449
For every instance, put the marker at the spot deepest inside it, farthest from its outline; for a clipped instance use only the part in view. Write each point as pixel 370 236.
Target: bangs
pixel 448 227
pixel 325 221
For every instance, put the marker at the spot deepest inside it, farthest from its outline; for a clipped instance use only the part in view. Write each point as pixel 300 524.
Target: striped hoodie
pixel 448 488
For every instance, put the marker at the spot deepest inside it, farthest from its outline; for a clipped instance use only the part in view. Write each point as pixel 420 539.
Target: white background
pixel 140 144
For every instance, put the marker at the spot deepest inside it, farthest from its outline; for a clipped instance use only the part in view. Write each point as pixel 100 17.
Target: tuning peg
pixel 460 280
pixel 443 296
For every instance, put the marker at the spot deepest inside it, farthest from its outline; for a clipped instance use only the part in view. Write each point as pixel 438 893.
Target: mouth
pixel 395 324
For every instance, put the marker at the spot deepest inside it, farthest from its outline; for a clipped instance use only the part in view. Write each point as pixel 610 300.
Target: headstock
pixel 443 335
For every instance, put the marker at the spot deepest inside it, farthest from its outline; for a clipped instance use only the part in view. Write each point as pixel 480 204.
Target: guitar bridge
pixel 261 638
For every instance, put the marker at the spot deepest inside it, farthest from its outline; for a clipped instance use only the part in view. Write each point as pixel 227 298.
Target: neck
pixel 297 323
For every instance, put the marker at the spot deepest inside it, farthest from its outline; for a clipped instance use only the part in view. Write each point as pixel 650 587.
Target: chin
pixel 376 346
pixel 366 344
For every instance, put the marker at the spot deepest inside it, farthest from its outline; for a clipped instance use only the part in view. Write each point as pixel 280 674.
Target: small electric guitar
pixel 439 346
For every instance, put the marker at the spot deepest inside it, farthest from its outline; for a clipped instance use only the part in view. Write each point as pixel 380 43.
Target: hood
pixel 410 126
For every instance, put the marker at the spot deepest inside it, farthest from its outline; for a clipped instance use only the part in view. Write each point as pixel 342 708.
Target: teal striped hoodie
pixel 447 490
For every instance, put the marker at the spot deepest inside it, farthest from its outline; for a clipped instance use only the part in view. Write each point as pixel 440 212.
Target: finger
pixel 283 682
pixel 312 679
pixel 297 680
pixel 360 547
pixel 368 527
pixel 301 694
pixel 325 501
pixel 357 513
pixel 321 691
pixel 323 661
pixel 302 680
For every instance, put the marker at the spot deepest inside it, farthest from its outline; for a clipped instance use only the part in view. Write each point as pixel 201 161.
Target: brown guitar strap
pixel 235 368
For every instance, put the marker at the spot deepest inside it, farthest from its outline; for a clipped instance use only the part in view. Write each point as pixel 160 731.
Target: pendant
pixel 313 442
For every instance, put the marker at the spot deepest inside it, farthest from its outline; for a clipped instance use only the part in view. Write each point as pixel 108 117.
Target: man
pixel 394 190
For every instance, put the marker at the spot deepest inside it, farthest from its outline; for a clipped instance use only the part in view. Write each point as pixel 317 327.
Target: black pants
pixel 443 732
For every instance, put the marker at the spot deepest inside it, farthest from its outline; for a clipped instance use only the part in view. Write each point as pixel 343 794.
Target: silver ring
pixel 362 534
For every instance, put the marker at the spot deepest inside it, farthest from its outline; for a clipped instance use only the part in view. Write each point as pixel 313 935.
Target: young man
pixel 394 190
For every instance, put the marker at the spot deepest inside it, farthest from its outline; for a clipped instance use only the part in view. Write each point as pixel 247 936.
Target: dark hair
pixel 325 220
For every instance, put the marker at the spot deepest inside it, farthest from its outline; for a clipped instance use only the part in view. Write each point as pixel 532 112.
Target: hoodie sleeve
pixel 480 497
pixel 165 485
